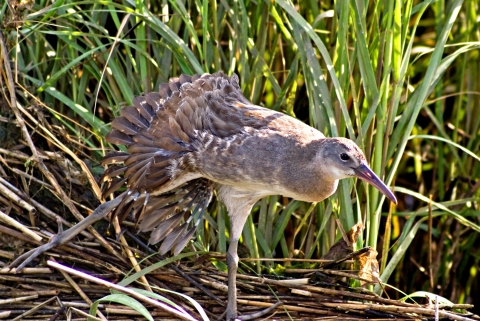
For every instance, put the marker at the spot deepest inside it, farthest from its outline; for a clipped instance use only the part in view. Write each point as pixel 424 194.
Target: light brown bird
pixel 198 134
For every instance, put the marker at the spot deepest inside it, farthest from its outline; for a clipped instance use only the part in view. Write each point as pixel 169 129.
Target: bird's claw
pixel 26 258
pixel 259 313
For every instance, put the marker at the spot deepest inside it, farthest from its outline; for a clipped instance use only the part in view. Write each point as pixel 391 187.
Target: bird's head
pixel 343 158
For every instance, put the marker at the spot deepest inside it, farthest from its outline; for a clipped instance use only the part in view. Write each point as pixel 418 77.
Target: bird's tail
pixel 171 217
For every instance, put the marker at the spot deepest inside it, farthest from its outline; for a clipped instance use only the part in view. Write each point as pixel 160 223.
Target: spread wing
pixel 164 133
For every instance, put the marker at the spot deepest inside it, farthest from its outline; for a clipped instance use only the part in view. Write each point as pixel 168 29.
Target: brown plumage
pixel 167 134
pixel 200 133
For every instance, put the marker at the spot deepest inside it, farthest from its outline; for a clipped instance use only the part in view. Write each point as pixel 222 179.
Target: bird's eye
pixel 344 157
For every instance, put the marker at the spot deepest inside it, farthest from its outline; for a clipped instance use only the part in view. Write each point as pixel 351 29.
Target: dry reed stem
pixel 121 289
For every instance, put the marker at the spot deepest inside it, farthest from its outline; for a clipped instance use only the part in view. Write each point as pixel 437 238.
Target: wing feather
pixel 163 132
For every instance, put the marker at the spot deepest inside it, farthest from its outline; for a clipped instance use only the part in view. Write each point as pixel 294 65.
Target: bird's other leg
pixel 65 236
pixel 238 216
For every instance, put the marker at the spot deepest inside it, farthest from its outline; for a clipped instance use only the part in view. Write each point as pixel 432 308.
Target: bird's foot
pixel 65 236
pixel 232 317
pixel 26 258
pixel 257 314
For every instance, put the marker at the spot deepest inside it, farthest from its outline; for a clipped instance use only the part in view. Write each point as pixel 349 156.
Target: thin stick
pixel 82 294
pixel 121 289
pixel 10 221
pixel 12 196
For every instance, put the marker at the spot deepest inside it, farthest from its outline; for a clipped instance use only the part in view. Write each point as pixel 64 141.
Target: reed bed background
pixel 401 78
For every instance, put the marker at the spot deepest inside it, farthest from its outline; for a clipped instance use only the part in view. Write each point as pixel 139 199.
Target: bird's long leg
pixel 238 210
pixel 67 235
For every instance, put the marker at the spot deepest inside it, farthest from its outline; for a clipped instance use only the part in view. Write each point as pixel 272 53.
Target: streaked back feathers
pixel 162 132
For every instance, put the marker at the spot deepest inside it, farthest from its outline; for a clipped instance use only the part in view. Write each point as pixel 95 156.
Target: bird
pixel 197 135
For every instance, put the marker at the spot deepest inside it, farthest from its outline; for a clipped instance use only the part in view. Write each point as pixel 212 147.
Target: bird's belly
pixel 259 190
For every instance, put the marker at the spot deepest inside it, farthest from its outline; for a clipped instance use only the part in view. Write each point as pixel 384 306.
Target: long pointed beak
pixel 365 173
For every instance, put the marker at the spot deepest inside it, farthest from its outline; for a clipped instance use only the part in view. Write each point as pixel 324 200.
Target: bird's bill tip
pixel 365 173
